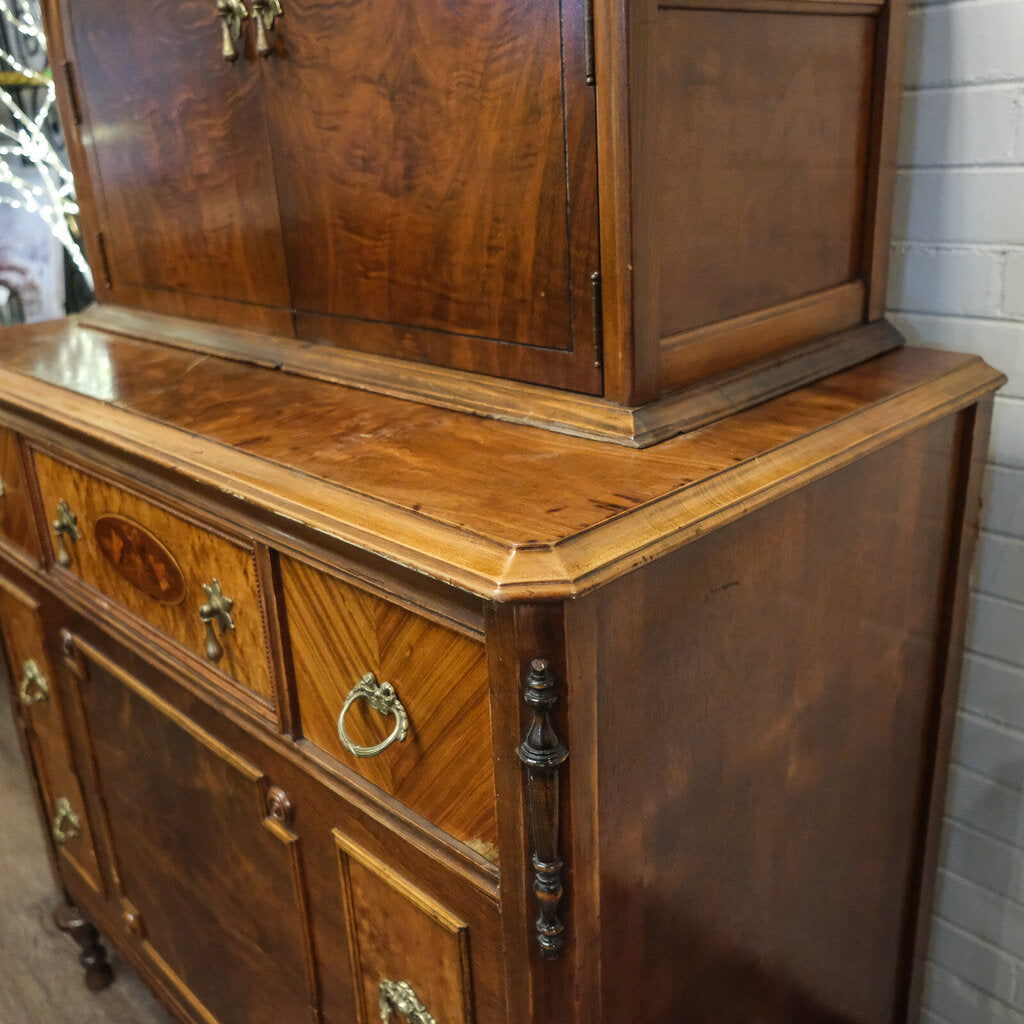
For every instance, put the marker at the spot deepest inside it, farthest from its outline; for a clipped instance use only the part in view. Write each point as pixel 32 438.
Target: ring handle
pixel 399 994
pixel 381 697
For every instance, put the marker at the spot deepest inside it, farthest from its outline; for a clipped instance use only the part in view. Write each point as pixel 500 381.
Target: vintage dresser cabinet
pixel 484 559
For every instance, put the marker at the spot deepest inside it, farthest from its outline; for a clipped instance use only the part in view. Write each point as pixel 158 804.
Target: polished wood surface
pixel 17 518
pixel 185 878
pixel 400 934
pixel 761 163
pixel 768 775
pixel 537 515
pixel 749 631
pixel 423 184
pixel 447 123
pixel 45 726
pixel 198 554
pixel 443 769
pixel 205 222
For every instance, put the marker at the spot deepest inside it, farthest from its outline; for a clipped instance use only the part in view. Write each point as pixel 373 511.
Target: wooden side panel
pixel 182 154
pixel 754 147
pixel 196 556
pixel 442 770
pixel 22 631
pixel 437 181
pixel 766 749
pixel 399 934
pixel 17 521
pixel 207 878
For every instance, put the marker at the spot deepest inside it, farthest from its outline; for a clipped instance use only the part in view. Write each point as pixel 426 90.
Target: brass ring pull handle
pixel 231 13
pixel 264 13
pixel 66 824
pixel 382 698
pixel 34 689
pixel 217 609
pixel 65 528
pixel 400 996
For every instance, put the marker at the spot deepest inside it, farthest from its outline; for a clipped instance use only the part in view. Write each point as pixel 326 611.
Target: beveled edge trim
pixel 563 412
pixel 492 569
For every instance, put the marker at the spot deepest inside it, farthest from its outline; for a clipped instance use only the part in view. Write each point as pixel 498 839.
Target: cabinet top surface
pixel 501 510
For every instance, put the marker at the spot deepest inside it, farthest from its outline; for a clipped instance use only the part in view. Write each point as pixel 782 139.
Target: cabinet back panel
pixel 183 157
pixel 760 138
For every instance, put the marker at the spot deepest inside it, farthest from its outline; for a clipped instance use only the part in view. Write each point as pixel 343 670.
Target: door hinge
pixel 69 78
pixel 588 41
pixel 597 317
pixel 101 244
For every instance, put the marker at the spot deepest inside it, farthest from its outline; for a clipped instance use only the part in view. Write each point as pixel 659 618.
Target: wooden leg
pixel 70 920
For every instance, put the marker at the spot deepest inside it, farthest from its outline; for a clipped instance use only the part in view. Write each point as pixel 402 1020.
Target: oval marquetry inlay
pixel 140 558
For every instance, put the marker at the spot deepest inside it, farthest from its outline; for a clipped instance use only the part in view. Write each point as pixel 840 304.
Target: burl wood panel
pixel 211 880
pixel 765 750
pixel 182 152
pixel 23 638
pixel 398 933
pixel 200 556
pixel 337 633
pixel 421 154
pixel 17 521
pixel 760 143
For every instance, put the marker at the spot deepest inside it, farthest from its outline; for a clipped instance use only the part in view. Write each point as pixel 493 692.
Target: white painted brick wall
pixel 957 282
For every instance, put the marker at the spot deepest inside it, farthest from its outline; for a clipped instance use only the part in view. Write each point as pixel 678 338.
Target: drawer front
pixel 17 522
pixel 442 769
pixel 156 563
pixel 410 955
pixel 37 688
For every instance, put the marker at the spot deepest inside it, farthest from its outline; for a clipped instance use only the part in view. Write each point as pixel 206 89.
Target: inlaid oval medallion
pixel 140 558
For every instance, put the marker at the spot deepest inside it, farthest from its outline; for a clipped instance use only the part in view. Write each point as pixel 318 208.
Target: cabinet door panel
pixel 32 675
pixel 182 155
pixel 421 151
pixel 209 879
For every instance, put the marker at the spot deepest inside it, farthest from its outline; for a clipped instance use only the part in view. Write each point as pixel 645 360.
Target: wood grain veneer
pixel 17 517
pixel 541 515
pixel 444 768
pixel 198 553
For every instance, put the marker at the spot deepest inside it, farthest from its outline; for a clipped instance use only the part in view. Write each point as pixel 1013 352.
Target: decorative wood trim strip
pixel 543 752
pixel 720 347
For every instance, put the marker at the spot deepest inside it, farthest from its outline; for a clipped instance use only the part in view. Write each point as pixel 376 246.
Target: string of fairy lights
pixel 24 138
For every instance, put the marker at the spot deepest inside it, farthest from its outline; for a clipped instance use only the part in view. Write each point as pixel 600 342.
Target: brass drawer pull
pixel 34 688
pixel 382 698
pixel 264 12
pixel 231 13
pixel 66 824
pixel 217 609
pixel 399 994
pixel 65 528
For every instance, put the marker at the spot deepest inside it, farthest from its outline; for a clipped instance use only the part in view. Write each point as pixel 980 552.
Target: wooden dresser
pixel 474 565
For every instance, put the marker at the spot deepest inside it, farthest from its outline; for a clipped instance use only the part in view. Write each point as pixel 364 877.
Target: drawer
pixel 338 635
pixel 38 692
pixel 410 954
pixel 156 563
pixel 17 521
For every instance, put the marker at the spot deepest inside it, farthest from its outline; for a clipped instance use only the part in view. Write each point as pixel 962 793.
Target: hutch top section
pixel 495 189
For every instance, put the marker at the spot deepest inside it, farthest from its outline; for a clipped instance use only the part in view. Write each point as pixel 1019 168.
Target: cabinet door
pixel 437 172
pixel 178 137
pixel 207 874
pixel 42 709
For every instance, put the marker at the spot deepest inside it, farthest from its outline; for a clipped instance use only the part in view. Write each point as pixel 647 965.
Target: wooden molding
pixel 530 404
